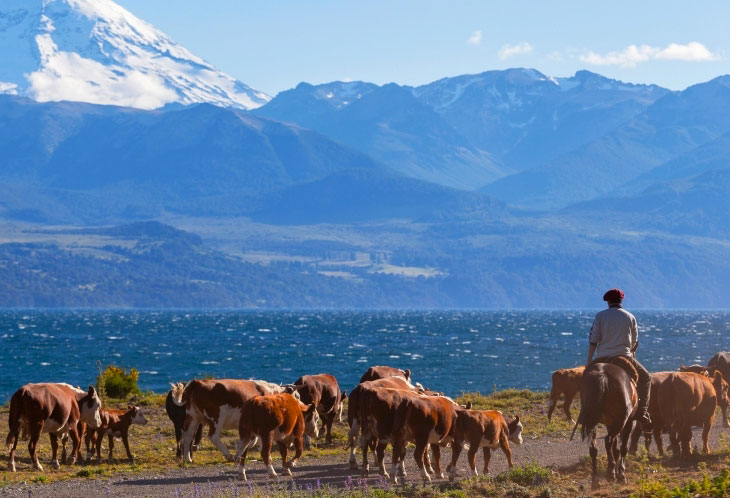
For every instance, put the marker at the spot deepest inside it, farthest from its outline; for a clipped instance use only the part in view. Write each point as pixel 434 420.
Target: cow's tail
pixel 14 418
pixel 591 406
pixel 399 428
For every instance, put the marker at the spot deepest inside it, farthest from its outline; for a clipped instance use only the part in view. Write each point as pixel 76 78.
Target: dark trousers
pixel 643 386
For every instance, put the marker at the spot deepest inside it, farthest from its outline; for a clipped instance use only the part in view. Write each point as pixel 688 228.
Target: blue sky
pixel 273 45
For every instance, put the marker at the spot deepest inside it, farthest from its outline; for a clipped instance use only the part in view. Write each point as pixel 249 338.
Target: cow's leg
pixel 328 427
pixel 419 455
pixel 198 438
pixel 89 443
pixel 98 441
pixel 110 438
pixel 436 451
pixel 266 443
pixel 36 429
pixel 593 452
pixel 297 452
pixel 215 437
pixel 725 421
pixel 125 440
pixel 456 448
pixel 487 456
pixel 706 434
pixel 685 436
pixel 504 444
pixel 552 403
pixel 352 438
pixel 244 452
pixel 13 442
pixel 75 445
pixel 566 406
pixel 427 462
pixel 190 425
pixel 364 443
pixel 635 436
pixel 285 470
pixel 54 451
pixel 658 440
pixel 471 457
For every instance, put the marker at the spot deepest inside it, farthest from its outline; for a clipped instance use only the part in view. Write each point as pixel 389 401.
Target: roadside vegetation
pixel 154 448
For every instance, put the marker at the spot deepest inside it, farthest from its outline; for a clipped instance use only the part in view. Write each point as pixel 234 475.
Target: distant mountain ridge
pixel 96 51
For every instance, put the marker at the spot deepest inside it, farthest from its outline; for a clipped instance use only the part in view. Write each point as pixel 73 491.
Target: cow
pixel 216 403
pixel 657 418
pixel 279 418
pixel 486 429
pixel 52 408
pixel 382 372
pixel 423 420
pixel 323 391
pixel 357 415
pixel 114 424
pixel 721 362
pixel 565 381
pixel 700 369
pixel 177 415
pixel 688 399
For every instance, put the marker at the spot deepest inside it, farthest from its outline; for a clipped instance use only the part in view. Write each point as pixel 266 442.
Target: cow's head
pixel 137 415
pixel 311 421
pixel 292 389
pixel 177 393
pixel 89 407
pixel 722 391
pixel 515 430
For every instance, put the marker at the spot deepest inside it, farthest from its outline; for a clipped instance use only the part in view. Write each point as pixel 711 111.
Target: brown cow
pixel 566 381
pixel 361 408
pixel 52 408
pixel 382 372
pixel 423 420
pixel 275 417
pixel 323 391
pixel 687 399
pixel 216 403
pixel 114 424
pixel 486 429
pixel 657 418
pixel 721 362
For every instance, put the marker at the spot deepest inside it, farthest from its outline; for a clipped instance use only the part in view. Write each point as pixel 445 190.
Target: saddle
pixel 623 362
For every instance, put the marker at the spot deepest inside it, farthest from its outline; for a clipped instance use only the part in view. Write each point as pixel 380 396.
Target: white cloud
pixel 633 55
pixel 508 51
pixel 8 88
pixel 475 38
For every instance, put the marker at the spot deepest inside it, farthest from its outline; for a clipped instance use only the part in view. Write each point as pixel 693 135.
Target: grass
pixel 154 448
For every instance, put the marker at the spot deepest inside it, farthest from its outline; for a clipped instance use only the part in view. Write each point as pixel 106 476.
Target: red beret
pixel 614 296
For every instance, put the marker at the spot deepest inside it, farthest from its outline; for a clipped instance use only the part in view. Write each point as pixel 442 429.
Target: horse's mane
pixel 624 363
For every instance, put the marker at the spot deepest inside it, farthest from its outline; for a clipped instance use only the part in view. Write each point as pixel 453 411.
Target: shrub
pixel 115 382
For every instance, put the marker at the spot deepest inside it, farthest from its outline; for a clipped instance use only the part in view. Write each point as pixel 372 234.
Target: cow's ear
pixel 468 405
pixel 92 391
pixel 408 373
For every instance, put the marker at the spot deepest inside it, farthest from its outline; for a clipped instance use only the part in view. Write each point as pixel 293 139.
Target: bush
pixel 115 382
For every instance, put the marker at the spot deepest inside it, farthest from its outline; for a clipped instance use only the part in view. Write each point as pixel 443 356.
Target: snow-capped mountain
pixel 96 51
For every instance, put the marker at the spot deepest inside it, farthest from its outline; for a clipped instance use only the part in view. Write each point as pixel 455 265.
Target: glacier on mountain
pixel 96 51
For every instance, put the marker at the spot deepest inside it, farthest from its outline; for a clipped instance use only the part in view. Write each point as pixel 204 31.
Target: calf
pixel 279 418
pixel 324 392
pixel 688 399
pixel 382 372
pixel 216 403
pixel 177 415
pixel 424 421
pixel 115 424
pixel 486 429
pixel 566 381
pixel 52 408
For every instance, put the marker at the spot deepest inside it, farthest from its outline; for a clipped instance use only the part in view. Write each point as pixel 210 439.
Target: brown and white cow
pixel 114 424
pixel 423 420
pixel 721 362
pixel 52 408
pixel 687 400
pixel 565 381
pixel 486 429
pixel 323 391
pixel 217 404
pixel 363 408
pixel 381 372
pixel 279 418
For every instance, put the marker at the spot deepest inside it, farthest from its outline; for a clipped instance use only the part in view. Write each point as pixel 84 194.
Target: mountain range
pixel 501 189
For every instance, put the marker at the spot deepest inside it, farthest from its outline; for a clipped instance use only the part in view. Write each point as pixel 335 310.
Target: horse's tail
pixel 591 406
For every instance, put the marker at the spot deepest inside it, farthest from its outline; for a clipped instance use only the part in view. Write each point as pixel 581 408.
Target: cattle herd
pixel 386 407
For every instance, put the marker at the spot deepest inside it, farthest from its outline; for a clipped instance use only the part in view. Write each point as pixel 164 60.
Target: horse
pixel 608 396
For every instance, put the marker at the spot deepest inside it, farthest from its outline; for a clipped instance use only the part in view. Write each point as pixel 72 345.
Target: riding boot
pixel 643 391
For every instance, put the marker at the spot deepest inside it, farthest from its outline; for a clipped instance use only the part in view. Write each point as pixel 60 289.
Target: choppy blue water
pixel 450 351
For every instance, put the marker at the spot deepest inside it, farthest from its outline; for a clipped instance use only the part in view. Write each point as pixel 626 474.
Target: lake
pixel 449 351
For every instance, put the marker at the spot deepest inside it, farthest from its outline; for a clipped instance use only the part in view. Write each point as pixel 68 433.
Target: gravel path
pixel 332 470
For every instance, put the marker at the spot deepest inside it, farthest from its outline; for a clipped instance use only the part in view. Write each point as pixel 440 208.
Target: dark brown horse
pixel 608 396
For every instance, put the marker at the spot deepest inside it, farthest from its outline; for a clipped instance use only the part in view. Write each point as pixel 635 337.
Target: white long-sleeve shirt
pixel 614 332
